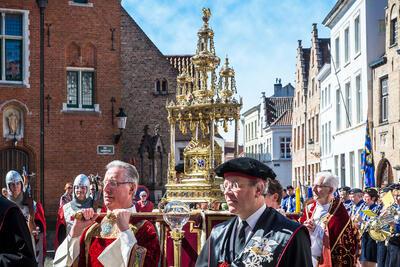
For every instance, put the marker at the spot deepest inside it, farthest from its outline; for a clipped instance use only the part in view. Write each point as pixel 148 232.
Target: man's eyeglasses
pixel 114 184
pixel 230 186
pixel 69 187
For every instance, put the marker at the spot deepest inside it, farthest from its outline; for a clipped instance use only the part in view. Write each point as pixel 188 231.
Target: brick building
pixel 305 130
pixel 386 95
pixel 96 60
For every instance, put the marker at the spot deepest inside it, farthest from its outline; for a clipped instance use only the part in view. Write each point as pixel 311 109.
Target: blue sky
pixel 259 36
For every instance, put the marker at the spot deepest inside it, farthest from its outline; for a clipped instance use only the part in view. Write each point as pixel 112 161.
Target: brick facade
pixel 80 36
pixel 386 129
pixel 308 63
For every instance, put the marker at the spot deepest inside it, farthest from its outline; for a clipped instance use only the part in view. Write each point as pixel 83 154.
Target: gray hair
pixel 328 179
pixel 131 174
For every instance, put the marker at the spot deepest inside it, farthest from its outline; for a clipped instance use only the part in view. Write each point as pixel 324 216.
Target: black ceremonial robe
pixel 16 247
pixel 275 241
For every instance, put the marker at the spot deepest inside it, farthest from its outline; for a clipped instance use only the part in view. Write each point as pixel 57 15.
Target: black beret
pixel 179 168
pixel 345 188
pixel 289 187
pixel 247 166
pixel 355 191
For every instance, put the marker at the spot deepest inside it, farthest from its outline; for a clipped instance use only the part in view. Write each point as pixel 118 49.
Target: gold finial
pixel 206 14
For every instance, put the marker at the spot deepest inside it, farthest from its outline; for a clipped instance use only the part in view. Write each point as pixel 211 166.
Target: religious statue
pixel 13 123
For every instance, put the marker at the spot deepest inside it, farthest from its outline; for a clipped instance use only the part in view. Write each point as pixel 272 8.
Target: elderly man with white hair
pixel 333 241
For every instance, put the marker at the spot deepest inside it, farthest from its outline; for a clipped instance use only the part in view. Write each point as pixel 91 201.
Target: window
pixel 360 173
pixel 348 104
pixel 352 169
pixel 357 35
pixel 285 147
pixel 336 165
pixel 323 98
pixel 329 95
pixel 323 140
pixel 346 45
pixel 81 1
pixel 329 138
pixel 337 53
pixel 393 26
pixel 80 88
pixel 181 156
pixel 295 140
pixel 302 135
pixel 359 99
pixel 12 47
pixel 342 169
pixel 164 87
pixel 317 127
pixel 338 120
pixel 298 137
pixel 384 99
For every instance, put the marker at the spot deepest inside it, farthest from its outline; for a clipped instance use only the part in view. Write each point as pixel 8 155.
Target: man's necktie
pixel 241 237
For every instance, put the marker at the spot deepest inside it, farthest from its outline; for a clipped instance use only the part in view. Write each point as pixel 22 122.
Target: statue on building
pixel 13 123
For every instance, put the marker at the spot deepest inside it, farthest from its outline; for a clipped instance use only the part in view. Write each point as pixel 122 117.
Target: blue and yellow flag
pixel 367 161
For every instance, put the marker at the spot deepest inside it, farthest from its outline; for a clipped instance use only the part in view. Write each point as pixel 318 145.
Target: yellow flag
pixel 298 204
pixel 388 199
pixel 369 213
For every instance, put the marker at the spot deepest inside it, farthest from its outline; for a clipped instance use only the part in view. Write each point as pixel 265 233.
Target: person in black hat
pixel 345 198
pixel 393 248
pixel 356 196
pixel 258 235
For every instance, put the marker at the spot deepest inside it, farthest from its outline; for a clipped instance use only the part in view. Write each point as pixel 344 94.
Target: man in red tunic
pixel 144 205
pixel 334 241
pixel 114 239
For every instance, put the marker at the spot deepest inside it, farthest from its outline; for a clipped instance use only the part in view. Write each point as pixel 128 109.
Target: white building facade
pixel 269 139
pixel 327 117
pixel 357 39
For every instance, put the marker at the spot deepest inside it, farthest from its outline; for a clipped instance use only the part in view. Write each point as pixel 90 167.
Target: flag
pixel 367 161
pixel 297 196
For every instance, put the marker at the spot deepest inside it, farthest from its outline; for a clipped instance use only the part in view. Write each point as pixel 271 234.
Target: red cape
pixel 343 238
pixel 40 220
pixel 146 237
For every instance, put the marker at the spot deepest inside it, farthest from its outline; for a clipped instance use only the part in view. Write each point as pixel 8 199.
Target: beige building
pixel 386 98
pixel 305 129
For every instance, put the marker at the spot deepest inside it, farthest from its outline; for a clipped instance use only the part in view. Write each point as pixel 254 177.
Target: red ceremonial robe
pixel 148 207
pixel 40 221
pixel 340 242
pixel 146 252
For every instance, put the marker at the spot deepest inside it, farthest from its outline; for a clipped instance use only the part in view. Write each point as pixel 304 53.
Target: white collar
pixel 253 218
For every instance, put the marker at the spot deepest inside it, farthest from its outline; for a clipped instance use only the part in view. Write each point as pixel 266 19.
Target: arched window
pixel 393 25
pixel 164 87
pixel 158 87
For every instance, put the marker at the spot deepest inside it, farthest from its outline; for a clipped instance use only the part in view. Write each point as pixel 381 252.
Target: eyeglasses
pixel 231 186
pixel 114 184
pixel 69 187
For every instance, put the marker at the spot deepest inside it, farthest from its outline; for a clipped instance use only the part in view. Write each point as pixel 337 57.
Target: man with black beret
pixel 258 235
pixel 345 198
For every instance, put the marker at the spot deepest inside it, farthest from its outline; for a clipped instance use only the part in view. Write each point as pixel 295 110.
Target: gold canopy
pixel 201 105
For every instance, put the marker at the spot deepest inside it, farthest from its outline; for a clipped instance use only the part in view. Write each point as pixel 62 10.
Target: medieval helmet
pixel 13 177
pixel 82 180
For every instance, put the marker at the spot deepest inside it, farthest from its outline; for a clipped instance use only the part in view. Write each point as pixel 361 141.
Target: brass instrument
pixel 378 225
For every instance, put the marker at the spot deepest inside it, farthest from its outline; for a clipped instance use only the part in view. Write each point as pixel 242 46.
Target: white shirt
pixel 116 254
pixel 317 235
pixel 251 221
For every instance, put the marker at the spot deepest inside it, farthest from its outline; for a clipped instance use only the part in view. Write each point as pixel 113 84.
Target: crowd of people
pixel 337 226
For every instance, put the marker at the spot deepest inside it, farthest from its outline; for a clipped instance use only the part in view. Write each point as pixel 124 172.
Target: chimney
pixel 277 87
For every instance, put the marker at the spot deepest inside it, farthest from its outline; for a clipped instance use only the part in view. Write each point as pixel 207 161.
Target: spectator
pixel 67 196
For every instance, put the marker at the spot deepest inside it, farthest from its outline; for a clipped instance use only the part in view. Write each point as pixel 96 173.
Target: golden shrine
pixel 202 103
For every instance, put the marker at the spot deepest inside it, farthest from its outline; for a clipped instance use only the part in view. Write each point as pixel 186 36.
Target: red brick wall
pixel 70 138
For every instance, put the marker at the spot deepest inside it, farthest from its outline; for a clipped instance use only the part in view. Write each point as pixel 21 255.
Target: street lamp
pixel 121 122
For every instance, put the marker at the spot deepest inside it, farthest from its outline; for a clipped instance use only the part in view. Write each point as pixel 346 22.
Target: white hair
pixel 131 174
pixel 328 179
